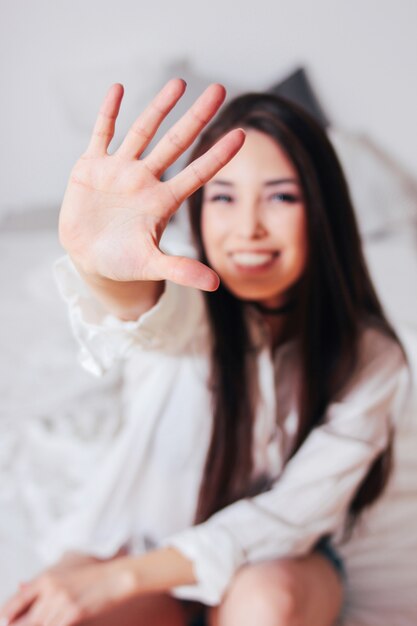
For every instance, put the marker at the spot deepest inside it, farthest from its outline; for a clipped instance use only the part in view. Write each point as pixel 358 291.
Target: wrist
pixel 127 300
pixel 127 583
pixel 157 571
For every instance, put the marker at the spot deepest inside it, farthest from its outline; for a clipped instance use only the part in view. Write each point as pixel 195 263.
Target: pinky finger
pixel 205 167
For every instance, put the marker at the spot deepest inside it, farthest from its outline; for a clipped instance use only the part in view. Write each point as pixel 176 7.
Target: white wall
pixel 58 57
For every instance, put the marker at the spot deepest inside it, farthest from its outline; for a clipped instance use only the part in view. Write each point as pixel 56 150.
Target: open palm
pixel 116 207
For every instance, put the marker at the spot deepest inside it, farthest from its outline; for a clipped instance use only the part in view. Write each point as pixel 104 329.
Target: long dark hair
pixel 334 299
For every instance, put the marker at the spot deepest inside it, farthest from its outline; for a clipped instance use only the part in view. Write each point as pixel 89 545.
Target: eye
pixel 221 197
pixel 286 197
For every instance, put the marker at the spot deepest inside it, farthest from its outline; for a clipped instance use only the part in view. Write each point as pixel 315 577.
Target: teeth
pixel 252 259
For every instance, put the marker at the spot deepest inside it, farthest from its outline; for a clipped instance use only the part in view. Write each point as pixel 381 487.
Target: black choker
pixel 280 310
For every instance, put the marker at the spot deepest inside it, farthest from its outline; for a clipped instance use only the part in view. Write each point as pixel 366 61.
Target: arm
pixel 126 300
pixel 309 499
pixel 116 207
pixel 312 496
pixel 158 571
pixel 169 325
pixel 75 559
pixel 63 596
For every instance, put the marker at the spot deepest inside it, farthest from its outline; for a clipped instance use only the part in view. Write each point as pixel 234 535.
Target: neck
pixel 279 329
pixel 275 311
pixel 279 319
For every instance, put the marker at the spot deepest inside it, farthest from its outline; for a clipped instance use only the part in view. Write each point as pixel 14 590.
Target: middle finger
pixel 144 128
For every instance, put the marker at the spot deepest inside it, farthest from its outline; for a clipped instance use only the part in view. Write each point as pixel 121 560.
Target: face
pixel 254 222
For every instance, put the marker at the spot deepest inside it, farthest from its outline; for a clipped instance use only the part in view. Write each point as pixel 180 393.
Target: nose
pixel 250 224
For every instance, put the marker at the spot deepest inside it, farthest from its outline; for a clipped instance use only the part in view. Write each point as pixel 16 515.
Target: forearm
pixel 157 571
pixel 76 558
pixel 94 588
pixel 126 300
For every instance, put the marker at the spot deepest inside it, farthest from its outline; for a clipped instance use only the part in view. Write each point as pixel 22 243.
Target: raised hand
pixel 116 208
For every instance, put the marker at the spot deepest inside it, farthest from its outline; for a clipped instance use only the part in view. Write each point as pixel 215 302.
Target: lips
pixel 253 259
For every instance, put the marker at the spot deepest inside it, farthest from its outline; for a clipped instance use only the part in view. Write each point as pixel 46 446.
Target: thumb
pixel 187 272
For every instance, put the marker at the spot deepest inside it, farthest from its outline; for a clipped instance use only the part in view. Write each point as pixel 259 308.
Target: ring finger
pixel 144 128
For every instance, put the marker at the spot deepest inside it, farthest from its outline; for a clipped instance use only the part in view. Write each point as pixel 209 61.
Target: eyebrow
pixel 268 183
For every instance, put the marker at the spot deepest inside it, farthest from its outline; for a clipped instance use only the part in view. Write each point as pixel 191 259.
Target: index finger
pixel 205 167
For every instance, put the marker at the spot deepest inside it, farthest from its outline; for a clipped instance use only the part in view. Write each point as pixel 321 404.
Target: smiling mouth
pixel 253 259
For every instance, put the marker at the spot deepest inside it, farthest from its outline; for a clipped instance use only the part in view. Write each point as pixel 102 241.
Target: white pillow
pixel 381 556
pixel 385 202
pixel 385 197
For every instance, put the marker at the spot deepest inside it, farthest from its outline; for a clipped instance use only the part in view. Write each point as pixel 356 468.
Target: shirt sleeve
pixel 105 339
pixel 312 495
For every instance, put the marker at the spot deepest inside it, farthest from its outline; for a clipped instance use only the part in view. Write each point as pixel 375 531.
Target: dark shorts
pixel 326 549
pixel 323 546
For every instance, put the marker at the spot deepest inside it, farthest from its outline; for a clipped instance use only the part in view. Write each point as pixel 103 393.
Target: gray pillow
pixel 297 88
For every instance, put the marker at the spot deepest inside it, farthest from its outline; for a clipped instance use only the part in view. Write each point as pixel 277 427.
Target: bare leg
pixel 303 591
pixel 149 610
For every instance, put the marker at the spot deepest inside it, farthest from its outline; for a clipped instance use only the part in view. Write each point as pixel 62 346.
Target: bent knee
pixel 265 593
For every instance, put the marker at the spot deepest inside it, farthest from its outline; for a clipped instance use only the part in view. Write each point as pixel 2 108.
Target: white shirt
pixel 145 494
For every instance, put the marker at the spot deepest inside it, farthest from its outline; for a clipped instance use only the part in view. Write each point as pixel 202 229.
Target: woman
pixel 273 396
